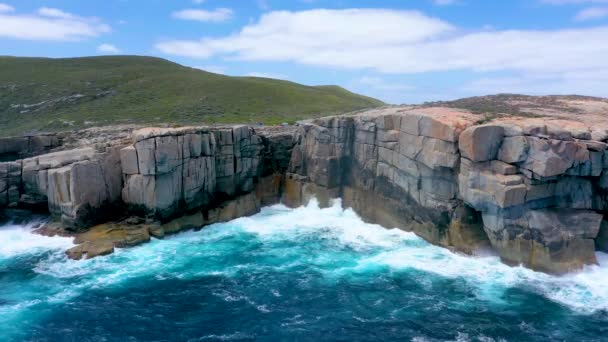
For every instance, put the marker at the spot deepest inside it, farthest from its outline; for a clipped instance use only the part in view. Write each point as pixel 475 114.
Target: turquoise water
pixel 284 275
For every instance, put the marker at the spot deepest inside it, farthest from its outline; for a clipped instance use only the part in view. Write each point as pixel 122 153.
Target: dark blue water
pixel 283 275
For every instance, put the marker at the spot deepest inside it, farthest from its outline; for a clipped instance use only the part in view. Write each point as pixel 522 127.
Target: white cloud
pixel 267 75
pixel 54 13
pixel 108 48
pixel 217 15
pixel 4 8
pixel 398 42
pixel 592 13
pixel 211 68
pixel 50 24
pixel 318 34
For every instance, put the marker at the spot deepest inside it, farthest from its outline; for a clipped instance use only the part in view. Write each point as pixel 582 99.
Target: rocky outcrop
pixel 77 186
pixel 14 148
pixel 172 178
pixel 170 172
pixel 532 189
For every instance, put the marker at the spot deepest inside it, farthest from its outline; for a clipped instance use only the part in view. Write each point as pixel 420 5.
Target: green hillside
pixel 42 94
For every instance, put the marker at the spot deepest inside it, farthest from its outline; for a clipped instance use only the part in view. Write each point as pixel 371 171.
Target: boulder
pixel 549 158
pixel 481 143
pixel 514 149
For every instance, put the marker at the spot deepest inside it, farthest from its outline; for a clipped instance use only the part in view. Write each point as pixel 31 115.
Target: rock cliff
pixel 531 189
pixel 534 189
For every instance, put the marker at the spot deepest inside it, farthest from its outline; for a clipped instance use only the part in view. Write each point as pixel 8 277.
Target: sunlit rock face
pixel 172 178
pixel 536 187
pixel 534 190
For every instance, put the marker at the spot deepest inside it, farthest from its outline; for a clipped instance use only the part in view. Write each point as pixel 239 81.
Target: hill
pixel 566 106
pixel 43 94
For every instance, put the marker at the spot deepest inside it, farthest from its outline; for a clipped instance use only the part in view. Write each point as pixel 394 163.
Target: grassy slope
pixel 514 104
pixel 76 92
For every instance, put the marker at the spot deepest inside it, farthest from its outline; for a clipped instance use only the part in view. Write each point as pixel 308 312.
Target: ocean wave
pixel 314 245
pixel 18 239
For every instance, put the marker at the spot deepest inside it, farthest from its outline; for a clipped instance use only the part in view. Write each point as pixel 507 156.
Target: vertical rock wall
pixel 77 186
pixel 533 189
pixel 169 170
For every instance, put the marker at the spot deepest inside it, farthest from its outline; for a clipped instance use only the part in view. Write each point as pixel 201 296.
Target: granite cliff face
pixel 157 181
pixel 532 190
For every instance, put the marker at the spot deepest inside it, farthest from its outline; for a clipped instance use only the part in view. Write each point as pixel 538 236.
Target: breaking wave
pixel 304 273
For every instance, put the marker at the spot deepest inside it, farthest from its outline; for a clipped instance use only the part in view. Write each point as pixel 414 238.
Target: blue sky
pixel 401 51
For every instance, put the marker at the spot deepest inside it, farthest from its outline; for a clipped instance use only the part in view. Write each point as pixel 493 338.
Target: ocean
pixel 289 275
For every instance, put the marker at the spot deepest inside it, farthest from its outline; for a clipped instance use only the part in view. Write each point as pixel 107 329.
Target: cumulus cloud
pixel 54 13
pixel 108 48
pixel 592 13
pixel 50 24
pixel 286 35
pixel 4 8
pixel 217 15
pixel 392 41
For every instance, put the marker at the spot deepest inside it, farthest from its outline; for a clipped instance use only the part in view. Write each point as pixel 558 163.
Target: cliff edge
pixel 534 190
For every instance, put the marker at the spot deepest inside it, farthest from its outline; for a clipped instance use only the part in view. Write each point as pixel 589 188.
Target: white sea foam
pixel 18 239
pixel 584 291
pixel 369 249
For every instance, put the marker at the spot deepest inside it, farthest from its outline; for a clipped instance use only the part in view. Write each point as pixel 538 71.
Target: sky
pixel 400 51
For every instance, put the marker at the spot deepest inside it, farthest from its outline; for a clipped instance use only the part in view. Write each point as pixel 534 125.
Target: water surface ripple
pixel 288 274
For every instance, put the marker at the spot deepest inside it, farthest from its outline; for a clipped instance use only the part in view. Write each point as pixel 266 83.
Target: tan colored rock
pixel 503 168
pixel 128 159
pixel 437 153
pixel 89 250
pixel 439 123
pixel 292 193
pixel 186 222
pixel 548 158
pixel 146 156
pixel 268 189
pixel 242 206
pixel 551 240
pixel 481 143
pixel 514 149
pixel 58 159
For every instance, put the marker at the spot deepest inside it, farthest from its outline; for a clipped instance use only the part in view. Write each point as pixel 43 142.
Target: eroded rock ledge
pixel 533 190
